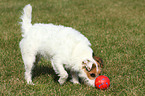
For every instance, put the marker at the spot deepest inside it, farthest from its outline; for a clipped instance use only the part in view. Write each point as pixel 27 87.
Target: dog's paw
pixel 30 82
pixel 61 81
pixel 62 78
pixel 74 81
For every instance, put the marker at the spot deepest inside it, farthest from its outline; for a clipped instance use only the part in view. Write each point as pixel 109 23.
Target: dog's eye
pixel 92 75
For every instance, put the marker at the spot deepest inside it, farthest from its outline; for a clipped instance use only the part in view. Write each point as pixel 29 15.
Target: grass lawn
pixel 116 29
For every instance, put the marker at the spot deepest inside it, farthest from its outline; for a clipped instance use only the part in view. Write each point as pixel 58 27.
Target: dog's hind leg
pixel 38 57
pixel 59 69
pixel 29 60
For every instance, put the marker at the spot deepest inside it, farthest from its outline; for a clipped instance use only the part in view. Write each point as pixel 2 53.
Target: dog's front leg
pixel 59 69
pixel 75 79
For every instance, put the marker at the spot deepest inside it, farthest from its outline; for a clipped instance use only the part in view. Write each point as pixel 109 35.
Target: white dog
pixel 63 46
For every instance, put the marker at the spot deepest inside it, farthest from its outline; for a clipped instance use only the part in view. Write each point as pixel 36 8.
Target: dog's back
pixel 56 38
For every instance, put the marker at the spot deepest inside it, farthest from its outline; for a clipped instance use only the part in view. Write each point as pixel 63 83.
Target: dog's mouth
pixel 87 81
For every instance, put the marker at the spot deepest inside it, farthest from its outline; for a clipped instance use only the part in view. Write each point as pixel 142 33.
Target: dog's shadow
pixel 43 70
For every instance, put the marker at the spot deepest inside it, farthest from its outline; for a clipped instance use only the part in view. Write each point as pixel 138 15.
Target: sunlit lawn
pixel 116 29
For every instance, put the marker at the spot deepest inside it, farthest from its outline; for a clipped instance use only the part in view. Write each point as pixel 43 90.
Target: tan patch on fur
pixel 92 72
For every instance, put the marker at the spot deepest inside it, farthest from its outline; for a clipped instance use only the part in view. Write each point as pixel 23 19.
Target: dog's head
pixel 91 69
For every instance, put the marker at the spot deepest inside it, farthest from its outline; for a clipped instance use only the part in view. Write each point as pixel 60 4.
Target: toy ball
pixel 102 82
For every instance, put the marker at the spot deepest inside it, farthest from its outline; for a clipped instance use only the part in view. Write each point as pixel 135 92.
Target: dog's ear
pixel 99 60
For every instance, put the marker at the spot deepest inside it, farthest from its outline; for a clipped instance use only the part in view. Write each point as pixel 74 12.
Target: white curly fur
pixel 64 46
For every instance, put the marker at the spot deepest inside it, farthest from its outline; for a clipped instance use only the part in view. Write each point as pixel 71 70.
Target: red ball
pixel 102 82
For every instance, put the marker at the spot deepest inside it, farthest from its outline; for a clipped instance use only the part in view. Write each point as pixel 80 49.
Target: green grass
pixel 116 29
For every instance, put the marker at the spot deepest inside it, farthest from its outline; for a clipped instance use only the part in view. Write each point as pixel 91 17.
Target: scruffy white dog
pixel 63 46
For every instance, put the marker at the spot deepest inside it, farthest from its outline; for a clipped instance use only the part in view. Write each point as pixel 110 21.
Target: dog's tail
pixel 26 19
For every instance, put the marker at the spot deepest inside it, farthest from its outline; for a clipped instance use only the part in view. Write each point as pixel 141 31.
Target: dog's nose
pixel 92 75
